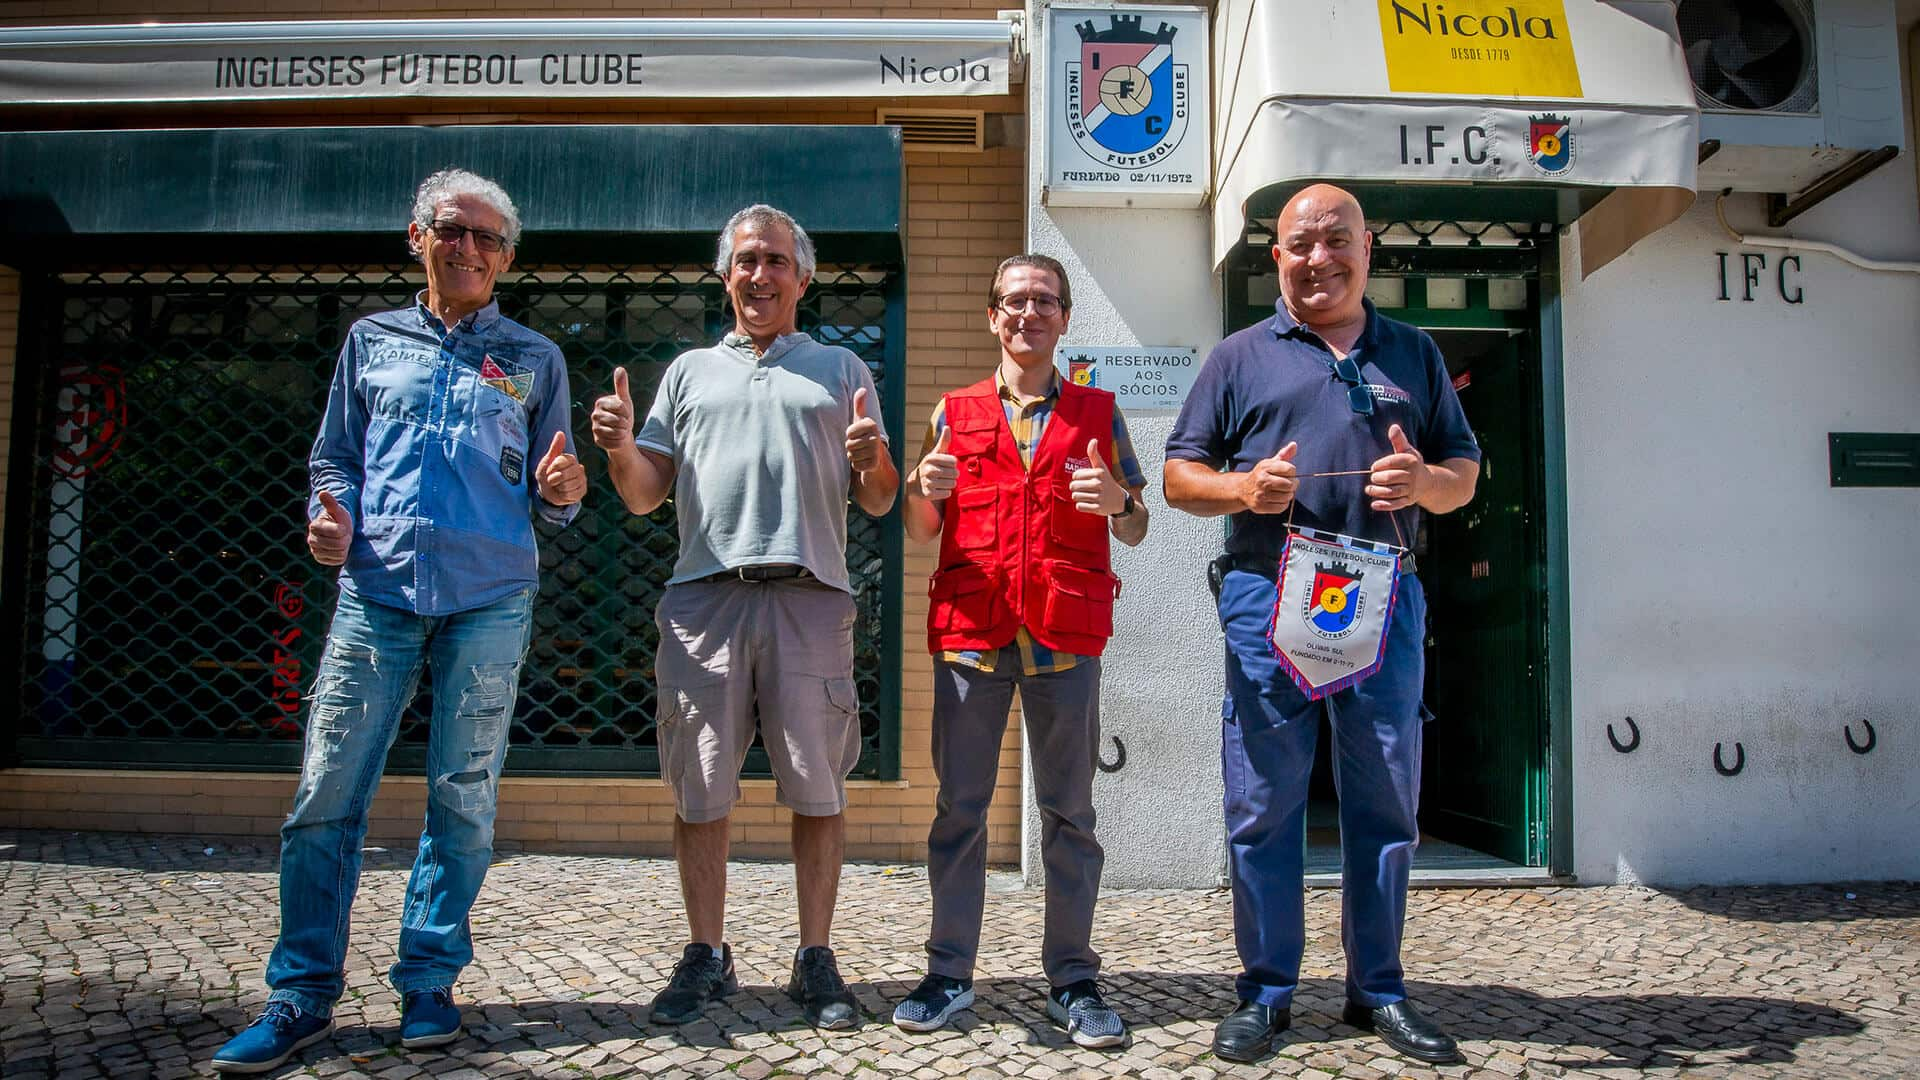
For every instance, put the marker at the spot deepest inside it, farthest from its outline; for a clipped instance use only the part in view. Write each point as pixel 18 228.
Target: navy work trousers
pixel 1269 729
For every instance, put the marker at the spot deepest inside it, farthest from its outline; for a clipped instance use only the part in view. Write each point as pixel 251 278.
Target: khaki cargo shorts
pixel 732 649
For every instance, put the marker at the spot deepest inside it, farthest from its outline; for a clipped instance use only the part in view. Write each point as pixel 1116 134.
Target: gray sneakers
pixel 933 1003
pixel 1090 1021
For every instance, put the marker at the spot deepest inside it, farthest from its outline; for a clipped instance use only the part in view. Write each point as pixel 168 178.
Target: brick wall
pixel 965 212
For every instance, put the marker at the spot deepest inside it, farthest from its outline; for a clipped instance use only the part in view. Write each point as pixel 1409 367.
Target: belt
pixel 763 572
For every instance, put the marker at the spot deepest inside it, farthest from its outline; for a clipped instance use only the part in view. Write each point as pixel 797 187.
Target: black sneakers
pixel 698 978
pixel 821 992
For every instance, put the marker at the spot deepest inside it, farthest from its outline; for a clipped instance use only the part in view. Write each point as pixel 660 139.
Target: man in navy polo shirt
pixel 1327 386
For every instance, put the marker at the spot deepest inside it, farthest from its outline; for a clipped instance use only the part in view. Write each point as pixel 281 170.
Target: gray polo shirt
pixel 759 444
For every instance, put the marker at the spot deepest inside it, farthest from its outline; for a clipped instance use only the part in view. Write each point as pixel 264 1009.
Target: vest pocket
pixel 1074 529
pixel 962 599
pixel 1079 600
pixel 974 527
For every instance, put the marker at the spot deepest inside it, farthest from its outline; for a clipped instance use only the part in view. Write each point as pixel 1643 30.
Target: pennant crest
pixel 1335 600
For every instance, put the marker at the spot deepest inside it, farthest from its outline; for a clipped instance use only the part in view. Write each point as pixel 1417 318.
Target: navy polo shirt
pixel 1274 383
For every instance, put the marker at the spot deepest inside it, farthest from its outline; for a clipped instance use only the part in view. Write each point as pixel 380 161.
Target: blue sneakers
pixel 429 1018
pixel 281 1029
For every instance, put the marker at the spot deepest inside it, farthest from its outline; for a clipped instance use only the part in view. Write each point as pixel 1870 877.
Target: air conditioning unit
pixel 1793 92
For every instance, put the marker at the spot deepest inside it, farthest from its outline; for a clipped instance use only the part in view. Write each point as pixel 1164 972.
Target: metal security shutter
pixel 168 614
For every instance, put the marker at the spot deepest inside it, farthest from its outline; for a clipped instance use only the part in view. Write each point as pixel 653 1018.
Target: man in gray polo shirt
pixel 757 619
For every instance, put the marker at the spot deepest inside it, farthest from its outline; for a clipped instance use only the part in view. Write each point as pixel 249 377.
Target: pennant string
pixel 1392 515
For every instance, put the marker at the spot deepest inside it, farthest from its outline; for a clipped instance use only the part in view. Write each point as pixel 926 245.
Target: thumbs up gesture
pixel 1269 486
pixel 613 415
pixel 562 479
pixel 330 534
pixel 1399 478
pixel 1094 489
pixel 864 446
pixel 939 471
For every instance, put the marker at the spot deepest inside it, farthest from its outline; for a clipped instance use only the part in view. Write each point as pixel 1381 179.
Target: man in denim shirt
pixel 445 428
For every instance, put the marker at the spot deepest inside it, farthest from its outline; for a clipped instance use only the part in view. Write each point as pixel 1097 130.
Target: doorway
pixel 1485 798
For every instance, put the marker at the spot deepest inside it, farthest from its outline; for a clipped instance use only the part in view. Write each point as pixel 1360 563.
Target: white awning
pixel 506 58
pixel 1512 98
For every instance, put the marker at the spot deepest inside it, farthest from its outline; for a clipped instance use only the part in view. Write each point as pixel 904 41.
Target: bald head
pixel 1320 200
pixel 1322 247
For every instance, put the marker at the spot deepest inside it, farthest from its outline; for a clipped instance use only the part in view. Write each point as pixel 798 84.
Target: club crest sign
pixel 1127 100
pixel 1127 108
pixel 1550 143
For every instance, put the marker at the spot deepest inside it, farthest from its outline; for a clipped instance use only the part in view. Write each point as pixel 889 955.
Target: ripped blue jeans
pixel 367 676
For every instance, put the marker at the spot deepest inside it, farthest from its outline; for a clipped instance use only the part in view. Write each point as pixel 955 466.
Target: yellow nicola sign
pixel 1498 48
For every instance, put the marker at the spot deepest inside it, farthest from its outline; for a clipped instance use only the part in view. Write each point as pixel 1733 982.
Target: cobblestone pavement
pixel 138 956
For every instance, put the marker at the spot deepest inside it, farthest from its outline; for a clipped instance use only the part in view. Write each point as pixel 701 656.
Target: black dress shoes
pixel 1401 1026
pixel 1247 1034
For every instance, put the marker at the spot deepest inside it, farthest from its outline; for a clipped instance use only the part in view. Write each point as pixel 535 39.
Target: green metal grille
pixel 170 614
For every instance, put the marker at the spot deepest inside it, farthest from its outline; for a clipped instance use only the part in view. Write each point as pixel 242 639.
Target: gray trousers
pixel 1062 712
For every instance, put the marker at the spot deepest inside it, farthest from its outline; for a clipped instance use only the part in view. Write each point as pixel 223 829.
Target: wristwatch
pixel 1125 508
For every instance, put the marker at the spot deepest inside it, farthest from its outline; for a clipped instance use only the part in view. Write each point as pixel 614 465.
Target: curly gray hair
pixel 760 215
pixel 453 183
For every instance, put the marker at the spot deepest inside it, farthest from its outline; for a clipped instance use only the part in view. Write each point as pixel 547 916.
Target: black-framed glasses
pixel 1359 398
pixel 450 232
pixel 1043 305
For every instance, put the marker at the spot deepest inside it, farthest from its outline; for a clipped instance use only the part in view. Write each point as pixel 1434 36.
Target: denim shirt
pixel 430 441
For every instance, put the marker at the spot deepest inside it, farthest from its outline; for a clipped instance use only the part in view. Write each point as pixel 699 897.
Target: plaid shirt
pixel 1027 418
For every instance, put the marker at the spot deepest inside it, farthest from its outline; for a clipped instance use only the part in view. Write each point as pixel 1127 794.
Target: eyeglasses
pixel 1043 305
pixel 450 233
pixel 1359 398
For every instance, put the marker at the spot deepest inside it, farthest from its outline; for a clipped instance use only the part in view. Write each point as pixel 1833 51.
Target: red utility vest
pixel 1013 550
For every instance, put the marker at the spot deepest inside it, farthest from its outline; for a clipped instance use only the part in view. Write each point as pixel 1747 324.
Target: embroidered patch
pixel 1075 464
pixel 517 385
pixel 512 461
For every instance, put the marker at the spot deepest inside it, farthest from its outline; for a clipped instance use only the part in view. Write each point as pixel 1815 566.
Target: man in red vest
pixel 1014 481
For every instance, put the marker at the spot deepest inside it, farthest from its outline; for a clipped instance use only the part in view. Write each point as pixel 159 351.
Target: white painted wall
pixel 1142 277
pixel 1721 590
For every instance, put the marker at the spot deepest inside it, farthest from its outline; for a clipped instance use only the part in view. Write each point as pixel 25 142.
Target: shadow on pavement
pixel 1639 1031
pixel 1636 1031
pixel 1844 902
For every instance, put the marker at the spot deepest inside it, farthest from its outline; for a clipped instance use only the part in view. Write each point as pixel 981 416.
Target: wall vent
pixel 938 129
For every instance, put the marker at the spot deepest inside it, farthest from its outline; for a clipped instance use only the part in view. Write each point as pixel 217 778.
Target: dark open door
pixel 1484 783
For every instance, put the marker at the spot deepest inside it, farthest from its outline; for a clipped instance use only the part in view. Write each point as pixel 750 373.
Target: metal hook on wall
pixel 1872 738
pixel 1631 744
pixel 1739 760
pixel 1119 759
